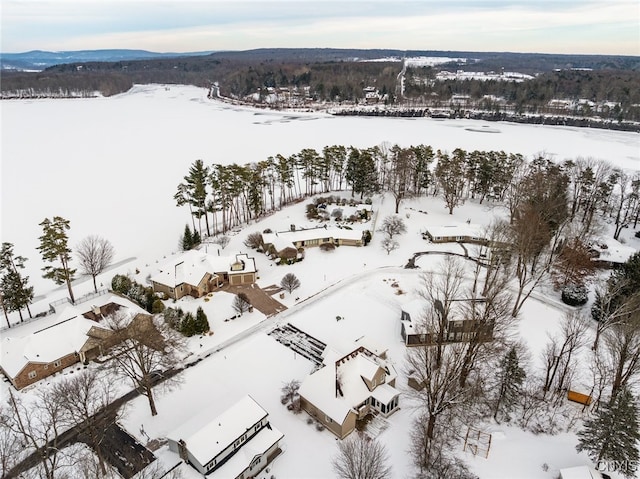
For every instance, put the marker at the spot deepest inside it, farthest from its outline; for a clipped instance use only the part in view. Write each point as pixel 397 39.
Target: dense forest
pixel 607 87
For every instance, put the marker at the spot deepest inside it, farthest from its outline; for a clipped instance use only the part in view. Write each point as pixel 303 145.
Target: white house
pixel 237 444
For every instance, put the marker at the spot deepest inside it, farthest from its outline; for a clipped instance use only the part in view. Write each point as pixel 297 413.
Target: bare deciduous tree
pixel 389 244
pixel 437 376
pixel 83 398
pixel 10 445
pixel 560 352
pixel 440 288
pixel 254 240
pixel 290 282
pixel 622 349
pixel 241 303
pixel 393 225
pixel 38 425
pixel 612 306
pixel 94 254
pixel 360 457
pixel 144 347
pixel 222 240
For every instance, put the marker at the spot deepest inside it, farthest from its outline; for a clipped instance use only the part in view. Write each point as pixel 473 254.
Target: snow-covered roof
pixel 579 472
pixel 257 446
pixel 319 388
pixel 368 343
pixel 461 229
pixel 614 252
pixel 415 309
pixel 316 233
pixel 279 242
pixel 205 442
pixel 46 345
pixel 191 267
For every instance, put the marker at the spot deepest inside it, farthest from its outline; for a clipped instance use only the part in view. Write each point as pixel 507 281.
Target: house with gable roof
pixel 34 351
pixel 237 444
pixel 196 273
pixel 348 387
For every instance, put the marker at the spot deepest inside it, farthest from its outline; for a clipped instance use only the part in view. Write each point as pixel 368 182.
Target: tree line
pixel 331 78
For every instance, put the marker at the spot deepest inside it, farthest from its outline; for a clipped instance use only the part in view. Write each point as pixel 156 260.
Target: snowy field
pixel 111 167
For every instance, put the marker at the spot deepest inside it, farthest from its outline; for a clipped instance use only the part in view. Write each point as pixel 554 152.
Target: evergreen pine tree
pixel 613 433
pixel 14 288
pixel 187 238
pixel 54 247
pixel 187 325
pixel 510 377
pixel 201 323
pixel 196 240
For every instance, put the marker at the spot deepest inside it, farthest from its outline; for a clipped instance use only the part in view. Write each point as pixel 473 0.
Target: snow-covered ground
pixel 111 166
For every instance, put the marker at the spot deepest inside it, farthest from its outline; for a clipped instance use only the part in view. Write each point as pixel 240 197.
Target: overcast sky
pixel 545 26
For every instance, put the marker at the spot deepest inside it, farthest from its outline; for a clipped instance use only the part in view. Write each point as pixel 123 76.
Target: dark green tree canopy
pixel 54 246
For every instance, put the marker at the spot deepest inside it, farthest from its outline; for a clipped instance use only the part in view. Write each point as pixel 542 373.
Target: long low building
pixel 237 444
pixel 312 237
pixel 460 233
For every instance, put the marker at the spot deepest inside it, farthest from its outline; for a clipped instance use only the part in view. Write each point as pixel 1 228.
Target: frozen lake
pixel 111 165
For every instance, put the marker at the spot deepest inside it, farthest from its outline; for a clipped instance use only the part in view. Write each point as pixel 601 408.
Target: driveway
pixel 259 298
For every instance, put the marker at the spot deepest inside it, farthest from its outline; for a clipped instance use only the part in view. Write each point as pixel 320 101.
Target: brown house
pixel 415 333
pixel 347 388
pixel 196 273
pixel 459 233
pixel 28 359
pixel 75 335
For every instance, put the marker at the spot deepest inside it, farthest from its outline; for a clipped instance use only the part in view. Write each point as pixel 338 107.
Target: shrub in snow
pixel 120 284
pixel 574 295
pixel 309 421
pixel 327 246
pixel 637 234
pixel 312 212
pixel 157 307
pixel 254 240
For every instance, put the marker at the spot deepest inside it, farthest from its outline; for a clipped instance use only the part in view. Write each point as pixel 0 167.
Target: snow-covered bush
pixel 327 246
pixel 574 295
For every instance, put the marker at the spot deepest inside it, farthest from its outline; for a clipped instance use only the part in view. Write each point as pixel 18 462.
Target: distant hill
pixel 38 60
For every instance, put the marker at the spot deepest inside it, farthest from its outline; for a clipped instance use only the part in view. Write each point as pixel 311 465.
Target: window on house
pixel 57 364
pixel 171 290
pixel 328 419
pixel 32 374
